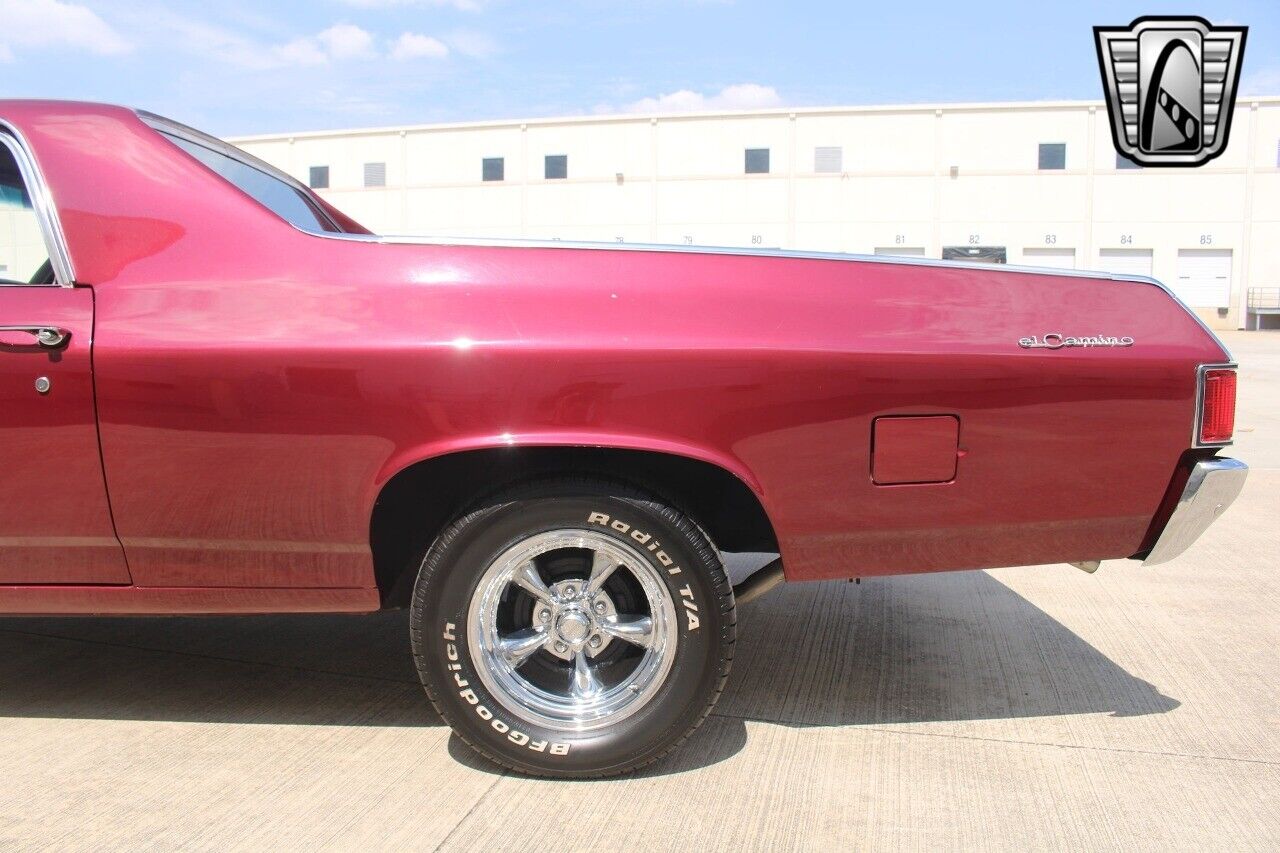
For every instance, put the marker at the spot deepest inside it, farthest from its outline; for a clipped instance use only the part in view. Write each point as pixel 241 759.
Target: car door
pixel 55 522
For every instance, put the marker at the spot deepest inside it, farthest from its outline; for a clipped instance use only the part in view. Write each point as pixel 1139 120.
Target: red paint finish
pixel 257 386
pixel 142 601
pixel 914 449
pixel 55 525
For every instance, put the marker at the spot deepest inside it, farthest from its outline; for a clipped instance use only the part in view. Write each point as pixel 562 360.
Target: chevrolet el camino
pixel 219 394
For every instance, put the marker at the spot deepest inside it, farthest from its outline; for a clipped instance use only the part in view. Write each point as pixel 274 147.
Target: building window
pixel 757 161
pixel 828 160
pixel 319 178
pixel 492 169
pixel 375 174
pixel 556 167
pixel 1053 155
pixel 1123 162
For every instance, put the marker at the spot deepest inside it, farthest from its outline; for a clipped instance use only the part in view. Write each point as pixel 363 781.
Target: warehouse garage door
pixel 901 251
pixel 976 254
pixel 1125 261
pixel 1204 277
pixel 1063 259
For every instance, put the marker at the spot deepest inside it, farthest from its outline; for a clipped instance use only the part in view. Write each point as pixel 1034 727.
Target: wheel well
pixel 418 502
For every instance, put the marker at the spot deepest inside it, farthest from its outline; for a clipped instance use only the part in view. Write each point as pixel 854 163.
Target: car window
pixel 285 201
pixel 23 256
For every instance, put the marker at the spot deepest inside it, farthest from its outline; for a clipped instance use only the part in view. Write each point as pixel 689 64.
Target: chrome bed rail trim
pixel 681 249
pixel 1143 279
pixel 516 243
pixel 1211 488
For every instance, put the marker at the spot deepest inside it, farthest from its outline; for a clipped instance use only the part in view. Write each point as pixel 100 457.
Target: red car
pixel 218 394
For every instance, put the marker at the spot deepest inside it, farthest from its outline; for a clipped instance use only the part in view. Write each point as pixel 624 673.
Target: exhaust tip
pixel 760 582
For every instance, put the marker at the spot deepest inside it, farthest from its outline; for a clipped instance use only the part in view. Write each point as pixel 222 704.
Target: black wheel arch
pixel 422 499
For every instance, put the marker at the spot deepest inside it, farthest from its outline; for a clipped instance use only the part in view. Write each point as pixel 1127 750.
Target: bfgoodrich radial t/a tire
pixel 573 628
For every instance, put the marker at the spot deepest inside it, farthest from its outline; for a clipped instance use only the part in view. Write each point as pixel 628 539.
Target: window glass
pixel 272 193
pixel 1053 155
pixel 828 160
pixel 556 167
pixel 23 256
pixel 757 161
pixel 1123 162
pixel 492 169
pixel 319 178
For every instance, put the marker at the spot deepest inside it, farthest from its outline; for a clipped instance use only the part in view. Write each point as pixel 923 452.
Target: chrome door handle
pixel 49 337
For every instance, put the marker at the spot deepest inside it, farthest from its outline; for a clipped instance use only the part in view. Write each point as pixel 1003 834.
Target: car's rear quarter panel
pixel 321 390
pixel 257 385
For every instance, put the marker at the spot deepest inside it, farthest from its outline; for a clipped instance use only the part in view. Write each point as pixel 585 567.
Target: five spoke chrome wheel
pixel 572 629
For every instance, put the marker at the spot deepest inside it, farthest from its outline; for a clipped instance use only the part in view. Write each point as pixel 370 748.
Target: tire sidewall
pixel 694 580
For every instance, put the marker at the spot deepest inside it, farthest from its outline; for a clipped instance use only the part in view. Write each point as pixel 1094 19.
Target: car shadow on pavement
pixel 957 646
pixel 919 648
pixel 303 669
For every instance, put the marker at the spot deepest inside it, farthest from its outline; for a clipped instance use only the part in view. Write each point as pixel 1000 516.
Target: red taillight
pixel 1218 406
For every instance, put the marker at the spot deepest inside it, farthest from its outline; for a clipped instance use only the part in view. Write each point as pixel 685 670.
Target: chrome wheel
pixel 572 629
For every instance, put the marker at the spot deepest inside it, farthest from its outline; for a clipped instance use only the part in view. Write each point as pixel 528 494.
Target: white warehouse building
pixel 1021 183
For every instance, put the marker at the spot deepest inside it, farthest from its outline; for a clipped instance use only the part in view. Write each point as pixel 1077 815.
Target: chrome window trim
pixel 163 125
pixel 55 241
pixel 1199 418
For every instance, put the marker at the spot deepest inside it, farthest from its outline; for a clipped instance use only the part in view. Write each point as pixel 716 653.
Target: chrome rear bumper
pixel 1212 486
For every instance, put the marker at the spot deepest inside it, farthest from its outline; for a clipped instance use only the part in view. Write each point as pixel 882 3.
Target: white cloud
pixel 740 96
pixel 346 41
pixel 51 23
pixel 209 41
pixel 304 51
pixel 1264 81
pixel 418 46
pixel 337 43
pixel 472 43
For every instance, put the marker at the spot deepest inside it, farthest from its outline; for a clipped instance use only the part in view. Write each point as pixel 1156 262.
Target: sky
pixel 238 67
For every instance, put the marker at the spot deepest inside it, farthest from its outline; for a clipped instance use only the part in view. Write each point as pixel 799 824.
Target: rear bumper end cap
pixel 1211 488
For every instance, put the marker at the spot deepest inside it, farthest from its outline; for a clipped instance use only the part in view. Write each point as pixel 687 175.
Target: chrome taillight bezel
pixel 1199 419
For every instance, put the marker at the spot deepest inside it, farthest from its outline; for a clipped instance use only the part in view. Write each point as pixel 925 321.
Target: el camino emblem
pixel 1054 340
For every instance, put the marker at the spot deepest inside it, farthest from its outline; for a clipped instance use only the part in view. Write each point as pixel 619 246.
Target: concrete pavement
pixel 1024 708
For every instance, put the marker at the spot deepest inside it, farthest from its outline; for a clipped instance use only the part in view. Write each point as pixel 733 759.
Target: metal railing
pixel 1264 299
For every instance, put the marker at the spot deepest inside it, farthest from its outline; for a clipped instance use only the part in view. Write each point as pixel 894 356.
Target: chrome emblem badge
pixel 1055 340
pixel 1171 87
